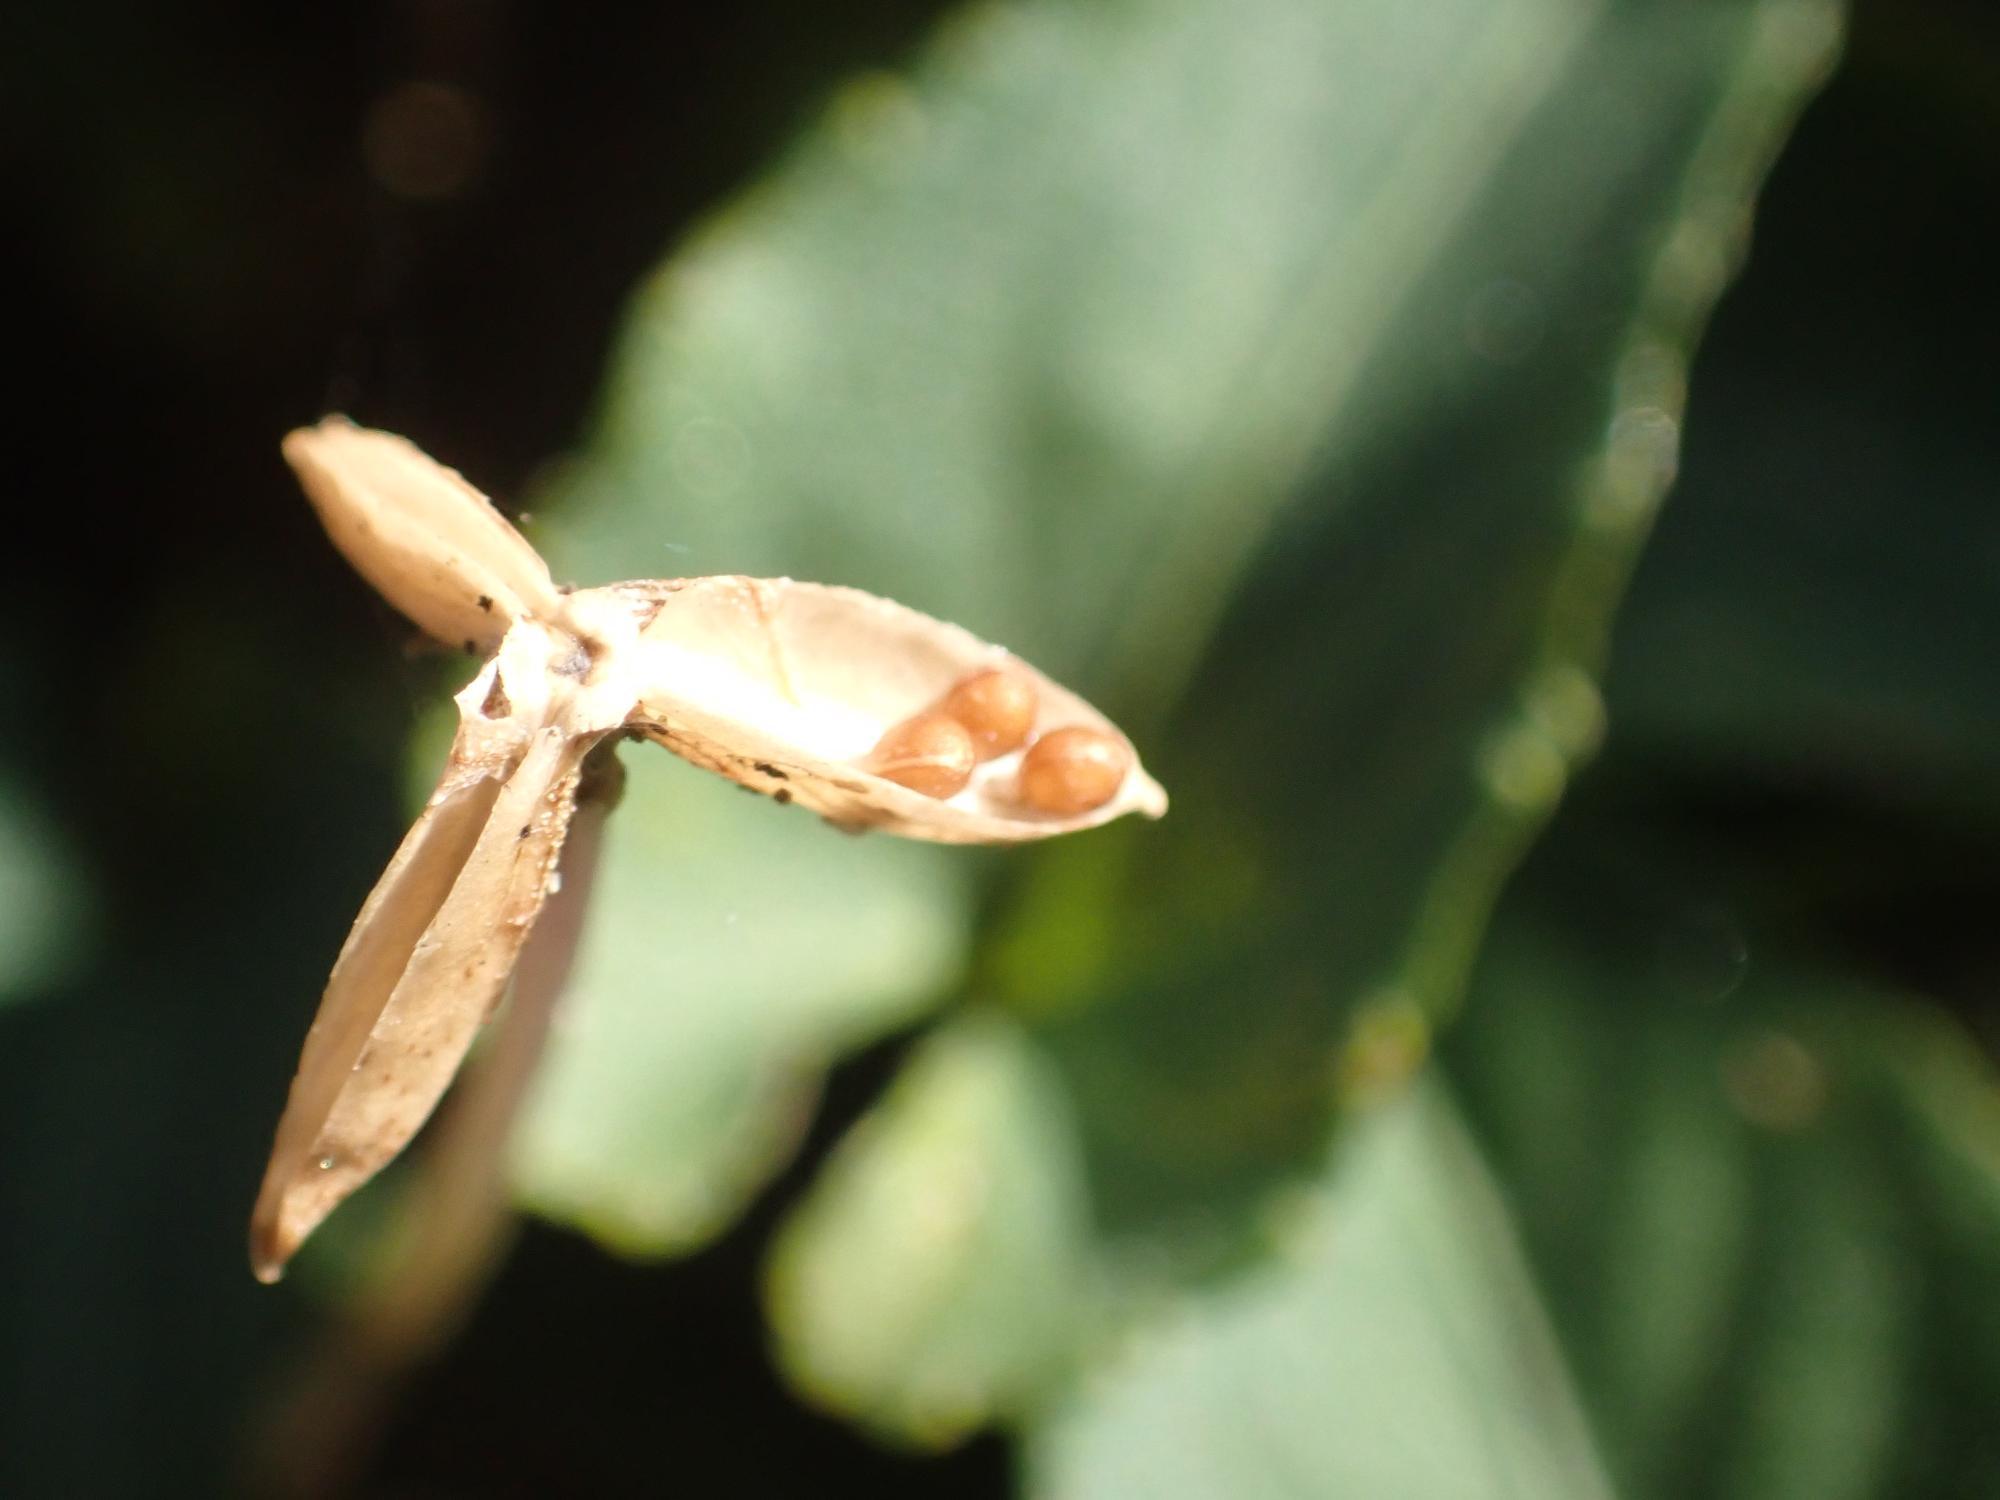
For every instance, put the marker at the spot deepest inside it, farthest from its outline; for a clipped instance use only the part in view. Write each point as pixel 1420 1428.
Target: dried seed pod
pixel 431 953
pixel 932 753
pixel 997 706
pixel 1070 771
pixel 432 545
pixel 786 687
pixel 801 691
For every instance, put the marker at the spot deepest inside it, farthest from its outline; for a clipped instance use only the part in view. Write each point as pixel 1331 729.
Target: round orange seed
pixel 1071 771
pixel 997 706
pixel 931 753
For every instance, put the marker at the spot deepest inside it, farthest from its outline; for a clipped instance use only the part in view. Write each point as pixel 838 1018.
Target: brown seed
pixel 1071 771
pixel 931 753
pixel 997 706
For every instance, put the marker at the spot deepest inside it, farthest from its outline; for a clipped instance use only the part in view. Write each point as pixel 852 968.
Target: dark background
pixel 205 252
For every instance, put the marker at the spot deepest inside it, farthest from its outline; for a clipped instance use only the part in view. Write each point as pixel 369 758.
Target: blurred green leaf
pixel 1393 709
pixel 47 915
pixel 1038 336
pixel 1062 335
pixel 1731 1192
pixel 933 1275
pixel 732 952
pixel 1394 1347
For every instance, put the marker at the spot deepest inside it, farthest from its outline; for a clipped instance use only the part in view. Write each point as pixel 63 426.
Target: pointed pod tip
pixel 297 446
pixel 428 540
pixel 285 1215
pixel 268 1253
pixel 298 443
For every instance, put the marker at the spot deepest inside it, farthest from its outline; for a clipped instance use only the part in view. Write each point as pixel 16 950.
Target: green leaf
pixel 1392 711
pixel 1738 1196
pixel 934 1274
pixel 1395 1347
pixel 1085 269
pixel 1201 354
pixel 47 916
pixel 732 952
